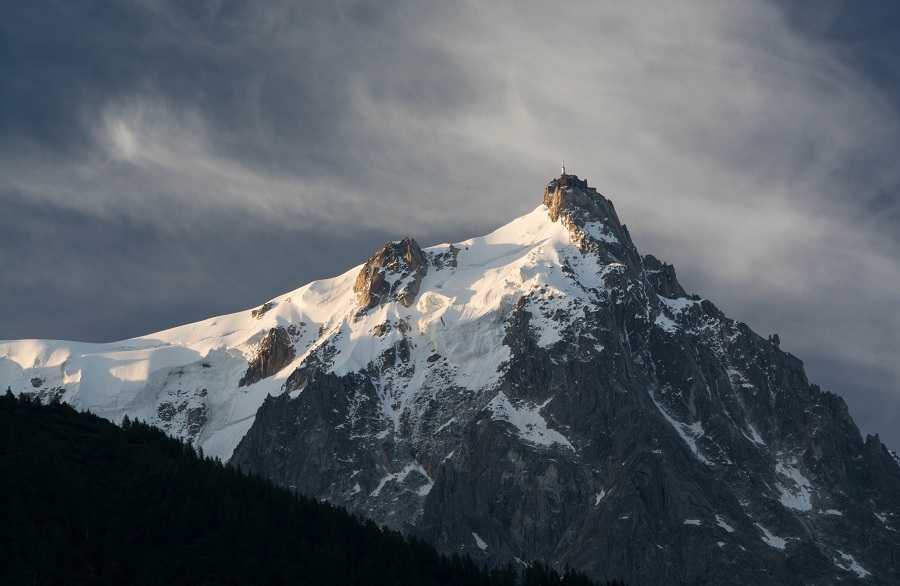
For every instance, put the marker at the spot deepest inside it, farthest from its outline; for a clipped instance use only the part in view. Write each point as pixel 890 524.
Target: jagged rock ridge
pixel 541 392
pixel 275 352
pixel 394 273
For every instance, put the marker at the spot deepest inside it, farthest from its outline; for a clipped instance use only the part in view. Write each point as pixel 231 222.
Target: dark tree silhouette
pixel 87 502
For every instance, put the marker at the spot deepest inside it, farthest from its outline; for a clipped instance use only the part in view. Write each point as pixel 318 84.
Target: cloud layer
pixel 162 162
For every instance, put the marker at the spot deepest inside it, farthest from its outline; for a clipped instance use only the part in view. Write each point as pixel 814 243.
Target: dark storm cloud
pixel 161 162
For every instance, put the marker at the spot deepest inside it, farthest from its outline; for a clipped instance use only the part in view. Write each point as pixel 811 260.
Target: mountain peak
pixel 542 391
pixel 393 273
pixel 591 220
pixel 570 195
pixel 569 180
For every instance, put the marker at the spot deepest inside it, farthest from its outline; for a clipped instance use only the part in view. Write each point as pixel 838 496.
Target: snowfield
pixel 459 314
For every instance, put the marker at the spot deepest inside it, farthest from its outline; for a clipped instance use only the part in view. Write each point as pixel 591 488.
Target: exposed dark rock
pixel 394 273
pixel 301 375
pixel 319 360
pixel 662 278
pixel 166 411
pixel 576 205
pixel 261 311
pixel 36 382
pixel 296 441
pixel 445 259
pixel 196 418
pixel 50 395
pixel 179 410
pixel 275 352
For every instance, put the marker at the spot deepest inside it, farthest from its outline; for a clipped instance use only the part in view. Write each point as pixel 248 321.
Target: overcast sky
pixel 163 162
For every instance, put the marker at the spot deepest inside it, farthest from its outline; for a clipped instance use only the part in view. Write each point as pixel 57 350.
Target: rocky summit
pixel 542 392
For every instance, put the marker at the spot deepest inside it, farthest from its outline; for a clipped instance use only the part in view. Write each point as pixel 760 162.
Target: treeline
pixel 83 501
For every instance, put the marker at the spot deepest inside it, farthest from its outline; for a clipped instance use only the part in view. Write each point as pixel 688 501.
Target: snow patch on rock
pixel 796 493
pixel 852 565
pixel 689 433
pixel 666 323
pixel 721 523
pixel 527 420
pixel 401 476
pixel 771 540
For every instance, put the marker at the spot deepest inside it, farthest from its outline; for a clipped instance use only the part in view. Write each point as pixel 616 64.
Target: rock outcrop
pixel 591 220
pixel 394 273
pixel 275 352
pixel 662 278
pixel 259 312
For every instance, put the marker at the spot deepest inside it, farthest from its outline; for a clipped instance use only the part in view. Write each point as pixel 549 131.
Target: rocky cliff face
pixel 591 220
pixel 394 273
pixel 275 352
pixel 540 392
pixel 631 431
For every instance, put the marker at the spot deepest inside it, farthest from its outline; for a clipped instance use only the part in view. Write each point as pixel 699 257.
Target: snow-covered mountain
pixel 540 392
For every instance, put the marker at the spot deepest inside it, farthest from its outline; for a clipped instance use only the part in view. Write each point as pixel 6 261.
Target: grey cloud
pixel 72 275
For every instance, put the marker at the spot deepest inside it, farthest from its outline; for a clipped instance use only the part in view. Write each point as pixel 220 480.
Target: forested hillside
pixel 84 501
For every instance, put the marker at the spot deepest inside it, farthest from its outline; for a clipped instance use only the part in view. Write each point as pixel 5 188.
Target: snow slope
pixel 185 379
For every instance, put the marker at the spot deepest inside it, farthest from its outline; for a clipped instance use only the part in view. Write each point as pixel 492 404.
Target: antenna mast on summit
pixel 563 167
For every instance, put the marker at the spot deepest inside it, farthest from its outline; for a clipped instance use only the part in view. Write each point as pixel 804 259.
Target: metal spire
pixel 563 167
